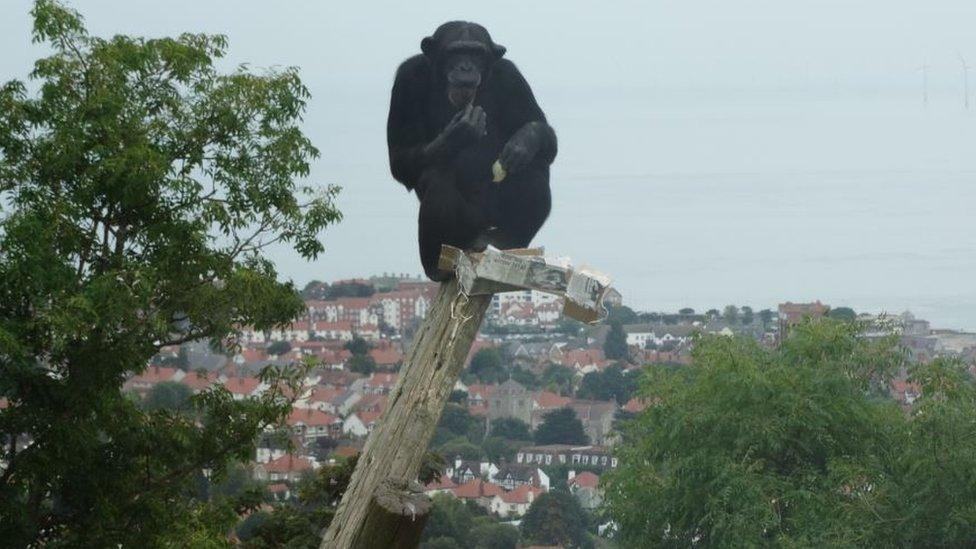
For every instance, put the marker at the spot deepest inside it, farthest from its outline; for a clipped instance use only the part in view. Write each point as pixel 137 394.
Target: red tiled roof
pixel 345 451
pixel 242 385
pixel 521 494
pixel 382 379
pixel 585 479
pixel 477 488
pixel 354 302
pixel 484 391
pixel 372 402
pixel 583 357
pixel 155 374
pixel 635 405
pixel 548 399
pixel 386 356
pixel 310 417
pixel 340 326
pixel 288 463
pixel 324 394
pixel 369 417
pixel 445 483
pixel 197 382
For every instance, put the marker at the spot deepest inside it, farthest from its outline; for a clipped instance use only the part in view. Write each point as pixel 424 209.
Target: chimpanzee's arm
pixel 532 137
pixel 405 125
pixel 410 152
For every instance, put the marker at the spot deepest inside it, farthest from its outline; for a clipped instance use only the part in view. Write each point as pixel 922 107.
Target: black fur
pixel 444 153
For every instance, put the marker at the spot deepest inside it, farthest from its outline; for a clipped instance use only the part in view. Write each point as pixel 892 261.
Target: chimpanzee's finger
pixel 482 122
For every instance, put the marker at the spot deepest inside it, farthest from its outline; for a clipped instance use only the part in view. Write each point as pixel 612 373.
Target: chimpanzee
pixel 467 136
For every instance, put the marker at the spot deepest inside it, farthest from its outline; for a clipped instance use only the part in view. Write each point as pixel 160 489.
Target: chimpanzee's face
pixel 463 55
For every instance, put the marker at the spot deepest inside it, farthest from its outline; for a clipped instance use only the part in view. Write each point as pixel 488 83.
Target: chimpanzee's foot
pixel 484 238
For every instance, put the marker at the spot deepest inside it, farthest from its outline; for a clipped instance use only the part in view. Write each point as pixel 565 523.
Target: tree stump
pixel 396 447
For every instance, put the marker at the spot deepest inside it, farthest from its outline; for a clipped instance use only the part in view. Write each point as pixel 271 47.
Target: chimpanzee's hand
pixel 468 125
pixel 520 150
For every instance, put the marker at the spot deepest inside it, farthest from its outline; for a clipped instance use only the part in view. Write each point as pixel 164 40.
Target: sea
pixel 709 196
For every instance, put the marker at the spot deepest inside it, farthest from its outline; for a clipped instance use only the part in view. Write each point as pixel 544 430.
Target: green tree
pixel 449 519
pixel 524 377
pixel 622 314
pixel 561 426
pixel 845 314
pixel 315 289
pixel 300 524
pixel 687 311
pixel 142 186
pixel 497 449
pixel 279 348
pixel 766 316
pixel 486 365
pixel 361 364
pixel 357 346
pixel 610 384
pixel 168 395
pixel 511 428
pixel 793 447
pixel 556 518
pixel 491 535
pixel 731 314
pixel 748 316
pixel 455 422
pixel 558 379
pixel 615 346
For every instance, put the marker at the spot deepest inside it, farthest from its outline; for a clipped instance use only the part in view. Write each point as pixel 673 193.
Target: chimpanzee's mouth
pixel 460 97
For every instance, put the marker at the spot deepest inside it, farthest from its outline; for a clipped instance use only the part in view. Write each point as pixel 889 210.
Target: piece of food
pixel 497 172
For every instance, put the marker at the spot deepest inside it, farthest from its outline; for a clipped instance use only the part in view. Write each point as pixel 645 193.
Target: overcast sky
pixel 711 151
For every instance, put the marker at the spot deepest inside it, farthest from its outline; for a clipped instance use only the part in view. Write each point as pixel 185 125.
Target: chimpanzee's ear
pixel 427 45
pixel 498 50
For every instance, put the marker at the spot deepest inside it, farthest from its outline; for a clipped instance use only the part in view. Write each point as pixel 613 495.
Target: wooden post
pixel 399 441
pixel 371 513
pixel 396 515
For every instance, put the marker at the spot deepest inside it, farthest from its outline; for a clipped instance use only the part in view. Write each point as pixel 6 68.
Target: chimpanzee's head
pixel 462 54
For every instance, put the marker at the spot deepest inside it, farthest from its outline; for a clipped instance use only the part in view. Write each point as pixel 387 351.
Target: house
pixel 548 454
pixel 279 491
pixel 513 475
pixel 311 424
pixel 361 423
pixel 339 330
pixel 242 387
pixel 461 471
pixel 355 426
pixel 287 468
pixel 145 381
pixel 380 383
pixel 199 381
pixel 478 395
pixel 547 400
pixel 596 416
pixel 791 314
pixel 510 399
pixel 444 485
pixel 655 335
pixel 635 405
pixel 322 399
pixel 515 503
pixel 584 361
pixel 478 491
pixel 401 307
pixel 369 332
pixel 386 356
pixel 585 486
